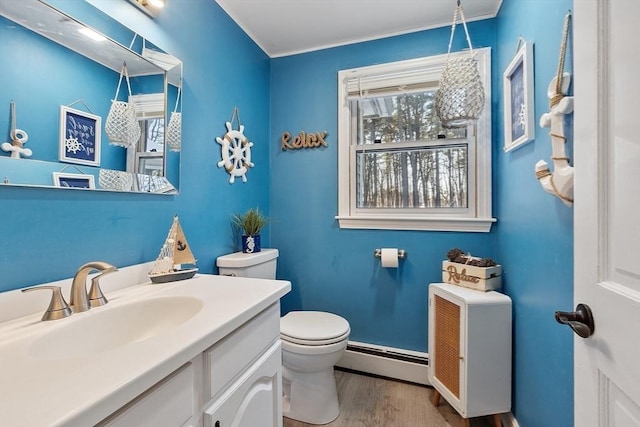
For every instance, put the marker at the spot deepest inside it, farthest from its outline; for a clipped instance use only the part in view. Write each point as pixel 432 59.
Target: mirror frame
pixel 155 62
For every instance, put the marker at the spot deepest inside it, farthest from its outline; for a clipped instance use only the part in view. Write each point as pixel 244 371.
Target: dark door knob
pixel 581 320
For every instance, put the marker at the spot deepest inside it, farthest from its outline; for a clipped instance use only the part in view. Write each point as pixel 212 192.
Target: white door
pixel 607 210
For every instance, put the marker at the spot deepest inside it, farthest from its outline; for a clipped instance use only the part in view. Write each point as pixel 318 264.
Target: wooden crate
pixel 469 276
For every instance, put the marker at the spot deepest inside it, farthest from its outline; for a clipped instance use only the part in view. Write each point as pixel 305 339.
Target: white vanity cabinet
pixel 244 375
pixel 237 381
pixel 191 353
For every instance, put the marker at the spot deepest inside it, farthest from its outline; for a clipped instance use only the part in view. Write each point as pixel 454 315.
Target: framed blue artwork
pixel 73 180
pixel 80 135
pixel 519 127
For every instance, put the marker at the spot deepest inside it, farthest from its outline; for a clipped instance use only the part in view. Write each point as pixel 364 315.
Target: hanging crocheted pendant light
pixel 460 98
pixel 122 125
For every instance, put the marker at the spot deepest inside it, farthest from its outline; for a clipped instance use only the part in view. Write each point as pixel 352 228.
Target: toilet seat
pixel 313 328
pixel 314 343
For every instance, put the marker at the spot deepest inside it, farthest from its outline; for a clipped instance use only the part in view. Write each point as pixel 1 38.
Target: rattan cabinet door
pixel 447 349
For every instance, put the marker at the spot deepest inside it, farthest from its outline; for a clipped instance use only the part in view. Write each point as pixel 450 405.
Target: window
pixel 147 157
pixel 398 168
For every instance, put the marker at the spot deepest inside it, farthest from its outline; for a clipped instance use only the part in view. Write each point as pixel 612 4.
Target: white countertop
pixel 83 391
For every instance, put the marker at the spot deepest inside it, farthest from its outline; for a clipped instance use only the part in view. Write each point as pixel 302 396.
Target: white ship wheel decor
pixel 236 150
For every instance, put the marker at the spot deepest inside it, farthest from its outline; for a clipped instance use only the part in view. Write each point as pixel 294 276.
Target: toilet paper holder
pixel 402 254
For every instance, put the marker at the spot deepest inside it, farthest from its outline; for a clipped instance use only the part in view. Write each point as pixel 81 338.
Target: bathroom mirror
pixel 58 83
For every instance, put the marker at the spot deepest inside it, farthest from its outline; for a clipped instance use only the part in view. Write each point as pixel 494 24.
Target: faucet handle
pixel 96 297
pixel 58 307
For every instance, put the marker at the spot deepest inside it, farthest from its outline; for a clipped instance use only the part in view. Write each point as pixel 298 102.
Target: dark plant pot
pixel 251 244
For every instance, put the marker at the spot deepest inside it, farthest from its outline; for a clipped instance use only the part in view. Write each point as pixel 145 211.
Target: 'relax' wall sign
pixel 303 140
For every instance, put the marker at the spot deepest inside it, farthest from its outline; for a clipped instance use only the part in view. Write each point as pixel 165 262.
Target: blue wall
pixel 535 229
pixel 48 233
pixel 331 268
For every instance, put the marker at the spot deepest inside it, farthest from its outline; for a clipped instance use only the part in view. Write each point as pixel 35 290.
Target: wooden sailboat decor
pixel 175 261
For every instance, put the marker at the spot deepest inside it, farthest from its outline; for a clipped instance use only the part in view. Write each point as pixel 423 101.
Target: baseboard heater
pixel 405 365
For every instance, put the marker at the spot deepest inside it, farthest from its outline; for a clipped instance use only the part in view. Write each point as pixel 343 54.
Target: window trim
pixel 479 218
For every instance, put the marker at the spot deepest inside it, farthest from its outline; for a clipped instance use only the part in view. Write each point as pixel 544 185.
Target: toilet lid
pixel 313 327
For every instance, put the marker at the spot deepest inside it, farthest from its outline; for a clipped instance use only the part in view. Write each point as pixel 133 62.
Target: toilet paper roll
pixel 389 257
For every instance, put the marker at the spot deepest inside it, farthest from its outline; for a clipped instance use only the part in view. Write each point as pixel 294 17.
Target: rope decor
pixel 460 98
pixel 115 180
pixel 555 99
pixel 558 136
pixel 560 181
pixel 542 173
pixel 558 193
pixel 547 173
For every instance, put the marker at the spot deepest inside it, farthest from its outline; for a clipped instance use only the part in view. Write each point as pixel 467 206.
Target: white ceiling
pixel 286 27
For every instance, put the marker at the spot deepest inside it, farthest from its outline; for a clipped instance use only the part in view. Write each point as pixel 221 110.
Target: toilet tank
pixel 260 265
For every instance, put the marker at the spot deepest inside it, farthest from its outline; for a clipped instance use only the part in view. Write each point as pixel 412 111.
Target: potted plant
pixel 250 222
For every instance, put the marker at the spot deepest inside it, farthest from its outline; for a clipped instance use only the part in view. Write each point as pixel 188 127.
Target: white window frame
pixel 477 218
pixel 147 106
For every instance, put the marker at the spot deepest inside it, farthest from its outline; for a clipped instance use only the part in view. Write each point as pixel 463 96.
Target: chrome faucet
pixel 80 300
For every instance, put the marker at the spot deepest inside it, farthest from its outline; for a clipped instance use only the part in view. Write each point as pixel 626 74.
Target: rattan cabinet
pixel 470 350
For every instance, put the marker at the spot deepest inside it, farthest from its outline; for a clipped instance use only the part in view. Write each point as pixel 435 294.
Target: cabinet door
pixel 255 399
pixel 225 361
pixel 447 350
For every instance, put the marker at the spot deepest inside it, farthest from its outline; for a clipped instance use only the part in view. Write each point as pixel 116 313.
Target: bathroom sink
pixel 105 328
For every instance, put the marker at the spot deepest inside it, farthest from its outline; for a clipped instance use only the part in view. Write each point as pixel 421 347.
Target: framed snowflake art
pixel 518 98
pixel 80 134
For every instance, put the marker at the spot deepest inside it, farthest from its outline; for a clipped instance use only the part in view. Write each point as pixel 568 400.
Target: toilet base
pixel 310 397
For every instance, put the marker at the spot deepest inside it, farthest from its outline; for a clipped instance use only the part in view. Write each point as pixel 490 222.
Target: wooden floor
pixel 367 401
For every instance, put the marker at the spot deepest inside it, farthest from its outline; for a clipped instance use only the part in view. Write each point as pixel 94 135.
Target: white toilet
pixel 312 342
